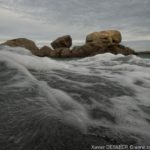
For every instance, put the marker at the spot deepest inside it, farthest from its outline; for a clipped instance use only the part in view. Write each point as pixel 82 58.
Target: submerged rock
pixel 23 42
pixel 62 42
pixel 108 36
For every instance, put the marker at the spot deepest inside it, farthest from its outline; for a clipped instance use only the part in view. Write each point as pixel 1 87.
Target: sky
pixel 49 19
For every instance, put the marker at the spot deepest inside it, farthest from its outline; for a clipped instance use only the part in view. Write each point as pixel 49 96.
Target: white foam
pixel 130 72
pixel 34 62
pixel 58 103
pixel 17 50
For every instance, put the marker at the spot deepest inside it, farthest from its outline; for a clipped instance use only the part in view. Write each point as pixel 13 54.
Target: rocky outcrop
pixel 45 51
pixel 88 49
pixel 109 36
pixel 96 43
pixel 62 42
pixel 23 42
pixel 120 49
pixel 61 52
pixel 66 52
pixel 91 49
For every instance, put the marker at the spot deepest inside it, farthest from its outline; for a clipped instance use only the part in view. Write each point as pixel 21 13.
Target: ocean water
pixel 72 103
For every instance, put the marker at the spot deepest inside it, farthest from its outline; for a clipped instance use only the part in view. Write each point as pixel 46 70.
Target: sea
pixel 99 102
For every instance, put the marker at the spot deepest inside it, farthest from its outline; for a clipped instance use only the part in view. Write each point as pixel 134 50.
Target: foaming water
pixel 104 91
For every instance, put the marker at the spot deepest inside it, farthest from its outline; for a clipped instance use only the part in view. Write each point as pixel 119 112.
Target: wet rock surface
pixel 23 42
pixel 108 36
pixel 96 43
pixel 62 42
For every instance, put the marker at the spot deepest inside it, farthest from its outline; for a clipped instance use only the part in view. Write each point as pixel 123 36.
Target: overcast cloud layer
pixel 48 19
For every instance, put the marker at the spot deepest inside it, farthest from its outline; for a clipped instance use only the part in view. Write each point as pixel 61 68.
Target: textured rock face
pixel 109 36
pixel 96 43
pixel 91 49
pixel 61 52
pixel 23 42
pixel 88 49
pixel 45 51
pixel 66 52
pixel 62 42
pixel 120 49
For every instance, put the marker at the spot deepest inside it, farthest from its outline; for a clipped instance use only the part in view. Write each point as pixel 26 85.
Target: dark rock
pixel 45 51
pixel 23 42
pixel 88 49
pixel 61 52
pixel 96 43
pixel 57 52
pixel 91 49
pixel 76 47
pixel 62 42
pixel 120 49
pixel 66 52
pixel 54 53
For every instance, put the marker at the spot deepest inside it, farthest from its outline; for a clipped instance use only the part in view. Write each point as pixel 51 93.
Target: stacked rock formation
pixel 96 43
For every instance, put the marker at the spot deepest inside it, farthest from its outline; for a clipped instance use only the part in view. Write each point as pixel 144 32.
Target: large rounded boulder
pixel 23 42
pixel 108 36
pixel 62 42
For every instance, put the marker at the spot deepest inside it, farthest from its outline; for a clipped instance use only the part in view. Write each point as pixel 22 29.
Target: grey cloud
pixel 79 17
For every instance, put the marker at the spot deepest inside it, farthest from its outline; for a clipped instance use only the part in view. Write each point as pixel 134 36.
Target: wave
pixel 106 90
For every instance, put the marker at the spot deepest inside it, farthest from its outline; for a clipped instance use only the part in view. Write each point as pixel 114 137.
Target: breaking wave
pixel 106 91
